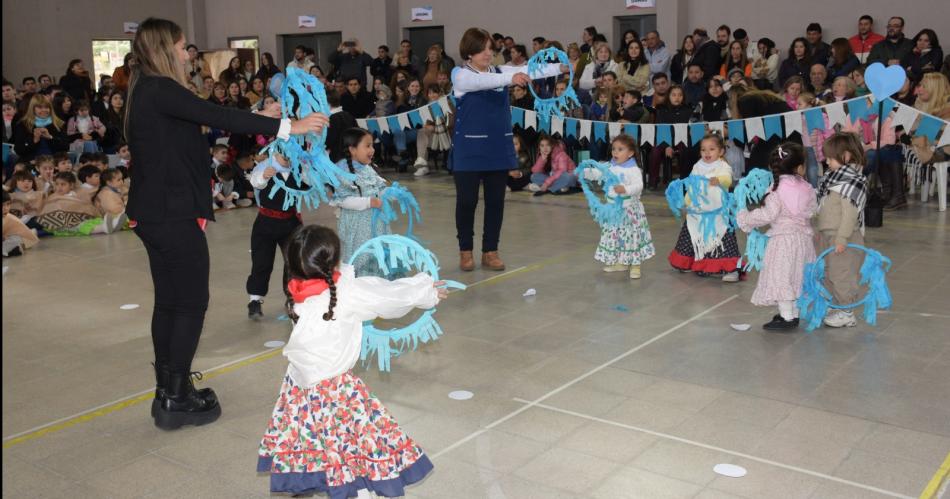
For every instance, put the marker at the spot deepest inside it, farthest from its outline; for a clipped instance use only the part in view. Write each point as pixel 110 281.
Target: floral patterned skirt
pixel 627 244
pixel 337 438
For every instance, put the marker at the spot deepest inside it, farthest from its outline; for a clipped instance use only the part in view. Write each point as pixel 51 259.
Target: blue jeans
pixel 889 154
pixel 565 181
pixel 404 137
pixel 811 166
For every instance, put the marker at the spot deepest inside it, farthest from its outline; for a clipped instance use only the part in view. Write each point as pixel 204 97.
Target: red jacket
pixel 560 163
pixel 862 47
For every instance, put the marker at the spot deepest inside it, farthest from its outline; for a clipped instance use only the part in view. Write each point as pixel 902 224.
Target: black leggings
pixel 467 185
pixel 179 262
pixel 267 235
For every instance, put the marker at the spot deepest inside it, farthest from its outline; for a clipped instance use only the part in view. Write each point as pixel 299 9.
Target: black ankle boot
pixel 183 405
pixel 780 324
pixel 161 381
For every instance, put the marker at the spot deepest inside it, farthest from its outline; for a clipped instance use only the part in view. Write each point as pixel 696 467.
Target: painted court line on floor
pixel 582 377
pixel 715 448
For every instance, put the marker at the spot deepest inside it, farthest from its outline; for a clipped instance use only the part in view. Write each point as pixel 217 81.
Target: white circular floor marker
pixel 274 344
pixel 740 327
pixel 730 470
pixel 129 306
pixel 461 395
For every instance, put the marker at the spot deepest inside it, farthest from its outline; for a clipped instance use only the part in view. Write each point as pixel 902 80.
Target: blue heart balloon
pixel 884 81
pixel 276 84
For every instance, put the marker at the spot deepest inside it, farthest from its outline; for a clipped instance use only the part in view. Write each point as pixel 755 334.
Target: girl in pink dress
pixel 788 209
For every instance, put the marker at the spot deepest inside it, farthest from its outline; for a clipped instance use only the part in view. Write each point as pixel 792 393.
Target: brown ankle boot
pixel 466 261
pixel 491 261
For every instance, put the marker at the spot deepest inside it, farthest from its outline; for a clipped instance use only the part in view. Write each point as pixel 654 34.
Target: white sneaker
pixel 840 318
pixel 616 268
pixel 420 162
pixel 114 223
pixel 534 187
pixel 731 276
pixel 422 171
pixel 244 203
pixel 227 204
pixel 634 271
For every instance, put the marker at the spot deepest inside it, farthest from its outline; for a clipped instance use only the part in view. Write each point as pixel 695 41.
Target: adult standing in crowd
pixel 657 54
pixel 798 63
pixel 722 39
pixel 818 50
pixel 926 57
pixel 76 82
pixel 169 201
pixel 195 67
pixel 587 37
pixel 121 75
pixel 682 60
pixel 707 53
pixel 268 69
pixel 866 38
pixel 382 64
pixel 893 49
pixel 300 60
pixel 351 62
pixel 483 152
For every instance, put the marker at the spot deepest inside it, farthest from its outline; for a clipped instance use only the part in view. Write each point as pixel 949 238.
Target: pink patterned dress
pixel 788 210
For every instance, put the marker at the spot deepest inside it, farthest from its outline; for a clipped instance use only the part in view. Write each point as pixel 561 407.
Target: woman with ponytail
pixel 169 201
pixel 324 411
pixel 357 201
pixel 788 210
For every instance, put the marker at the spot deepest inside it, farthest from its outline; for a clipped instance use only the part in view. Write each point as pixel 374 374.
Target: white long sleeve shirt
pixel 319 349
pixel 468 79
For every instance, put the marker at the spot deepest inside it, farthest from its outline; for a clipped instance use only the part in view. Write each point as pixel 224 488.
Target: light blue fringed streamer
pixel 752 189
pixel 306 153
pixel 395 253
pixel 553 106
pixel 816 299
pixel 605 213
pixel 407 206
pixel 696 187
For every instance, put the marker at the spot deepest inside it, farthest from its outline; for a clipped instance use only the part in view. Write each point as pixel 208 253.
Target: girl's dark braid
pixel 349 163
pixel 329 315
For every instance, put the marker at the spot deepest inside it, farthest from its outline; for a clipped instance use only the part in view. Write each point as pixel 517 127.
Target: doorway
pixel 323 44
pixel 423 38
pixel 106 56
pixel 641 24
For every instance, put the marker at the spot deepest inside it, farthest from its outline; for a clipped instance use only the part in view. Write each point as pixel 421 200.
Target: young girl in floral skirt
pixel 328 433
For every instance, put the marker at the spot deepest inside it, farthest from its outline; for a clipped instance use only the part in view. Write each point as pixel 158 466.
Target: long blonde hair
pixel 939 89
pixel 29 117
pixel 153 52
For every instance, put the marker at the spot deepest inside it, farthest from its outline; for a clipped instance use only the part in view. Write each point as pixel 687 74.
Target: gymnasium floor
pixel 598 386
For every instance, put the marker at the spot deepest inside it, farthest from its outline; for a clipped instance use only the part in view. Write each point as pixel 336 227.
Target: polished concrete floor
pixel 598 386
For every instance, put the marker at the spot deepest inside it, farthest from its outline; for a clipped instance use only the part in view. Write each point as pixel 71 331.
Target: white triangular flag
pixel 793 122
pixel 836 114
pixel 383 125
pixel 584 129
pixel 614 129
pixel 362 124
pixel 530 119
pixel 557 126
pixel 754 128
pixel 647 134
pixel 444 103
pixel 425 114
pixel 718 126
pixel 945 138
pixel 404 121
pixel 905 116
pixel 680 134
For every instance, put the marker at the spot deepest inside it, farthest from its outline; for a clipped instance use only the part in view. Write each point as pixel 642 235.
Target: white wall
pixel 41 36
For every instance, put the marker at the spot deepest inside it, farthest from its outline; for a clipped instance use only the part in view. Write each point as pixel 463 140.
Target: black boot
pixel 254 309
pixel 895 176
pixel 161 381
pixel 182 405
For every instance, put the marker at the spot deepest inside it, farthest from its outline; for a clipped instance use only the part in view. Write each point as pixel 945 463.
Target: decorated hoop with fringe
pixel 309 162
pixel 609 212
pixel 397 195
pixel 394 253
pixel 552 106
pixel 696 187
pixel 816 299
pixel 752 189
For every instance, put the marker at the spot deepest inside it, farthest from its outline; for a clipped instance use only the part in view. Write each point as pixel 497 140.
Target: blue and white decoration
pixel 394 253
pixel 752 189
pixel 400 196
pixel 715 213
pixel 609 212
pixel 552 106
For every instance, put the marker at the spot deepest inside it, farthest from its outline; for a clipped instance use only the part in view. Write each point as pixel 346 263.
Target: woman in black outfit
pixel 267 69
pixel 169 201
pixel 76 82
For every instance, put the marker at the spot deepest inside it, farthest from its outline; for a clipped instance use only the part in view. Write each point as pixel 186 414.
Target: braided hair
pixel 314 253
pixel 351 138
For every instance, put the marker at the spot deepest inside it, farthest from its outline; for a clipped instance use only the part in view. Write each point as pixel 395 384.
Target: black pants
pixel 179 263
pixel 266 236
pixel 518 184
pixel 467 185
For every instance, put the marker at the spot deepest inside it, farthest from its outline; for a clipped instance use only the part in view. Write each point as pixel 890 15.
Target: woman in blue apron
pixel 483 151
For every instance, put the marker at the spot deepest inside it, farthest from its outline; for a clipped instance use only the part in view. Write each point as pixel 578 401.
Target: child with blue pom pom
pixel 788 210
pixel 624 247
pixel 328 432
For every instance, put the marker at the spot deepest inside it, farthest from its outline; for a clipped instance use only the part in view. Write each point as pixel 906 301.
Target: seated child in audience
pixel 125 157
pixel 600 110
pixel 519 178
pixel 45 172
pixel 553 170
pixel 633 109
pixel 62 163
pixel 788 210
pixel 616 108
pixel 8 183
pixel 17 237
pixel 89 176
pixel 842 196
pixel 434 135
pixel 244 165
pixel 223 193
pixel 83 127
pixel 624 247
pixel 27 201
pixel 66 213
pixel 812 141
pixel 84 159
pixel 219 156
pixel 108 199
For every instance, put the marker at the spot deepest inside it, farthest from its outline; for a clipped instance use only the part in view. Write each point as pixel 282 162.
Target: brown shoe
pixel 491 261
pixel 466 261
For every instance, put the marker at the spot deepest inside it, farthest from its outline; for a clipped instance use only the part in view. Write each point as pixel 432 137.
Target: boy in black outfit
pixel 633 109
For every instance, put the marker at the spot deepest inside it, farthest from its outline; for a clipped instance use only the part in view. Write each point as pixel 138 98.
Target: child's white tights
pixel 788 310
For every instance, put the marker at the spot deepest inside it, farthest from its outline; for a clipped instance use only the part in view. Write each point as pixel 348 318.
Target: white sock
pixel 363 494
pixel 788 310
pixel 255 298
